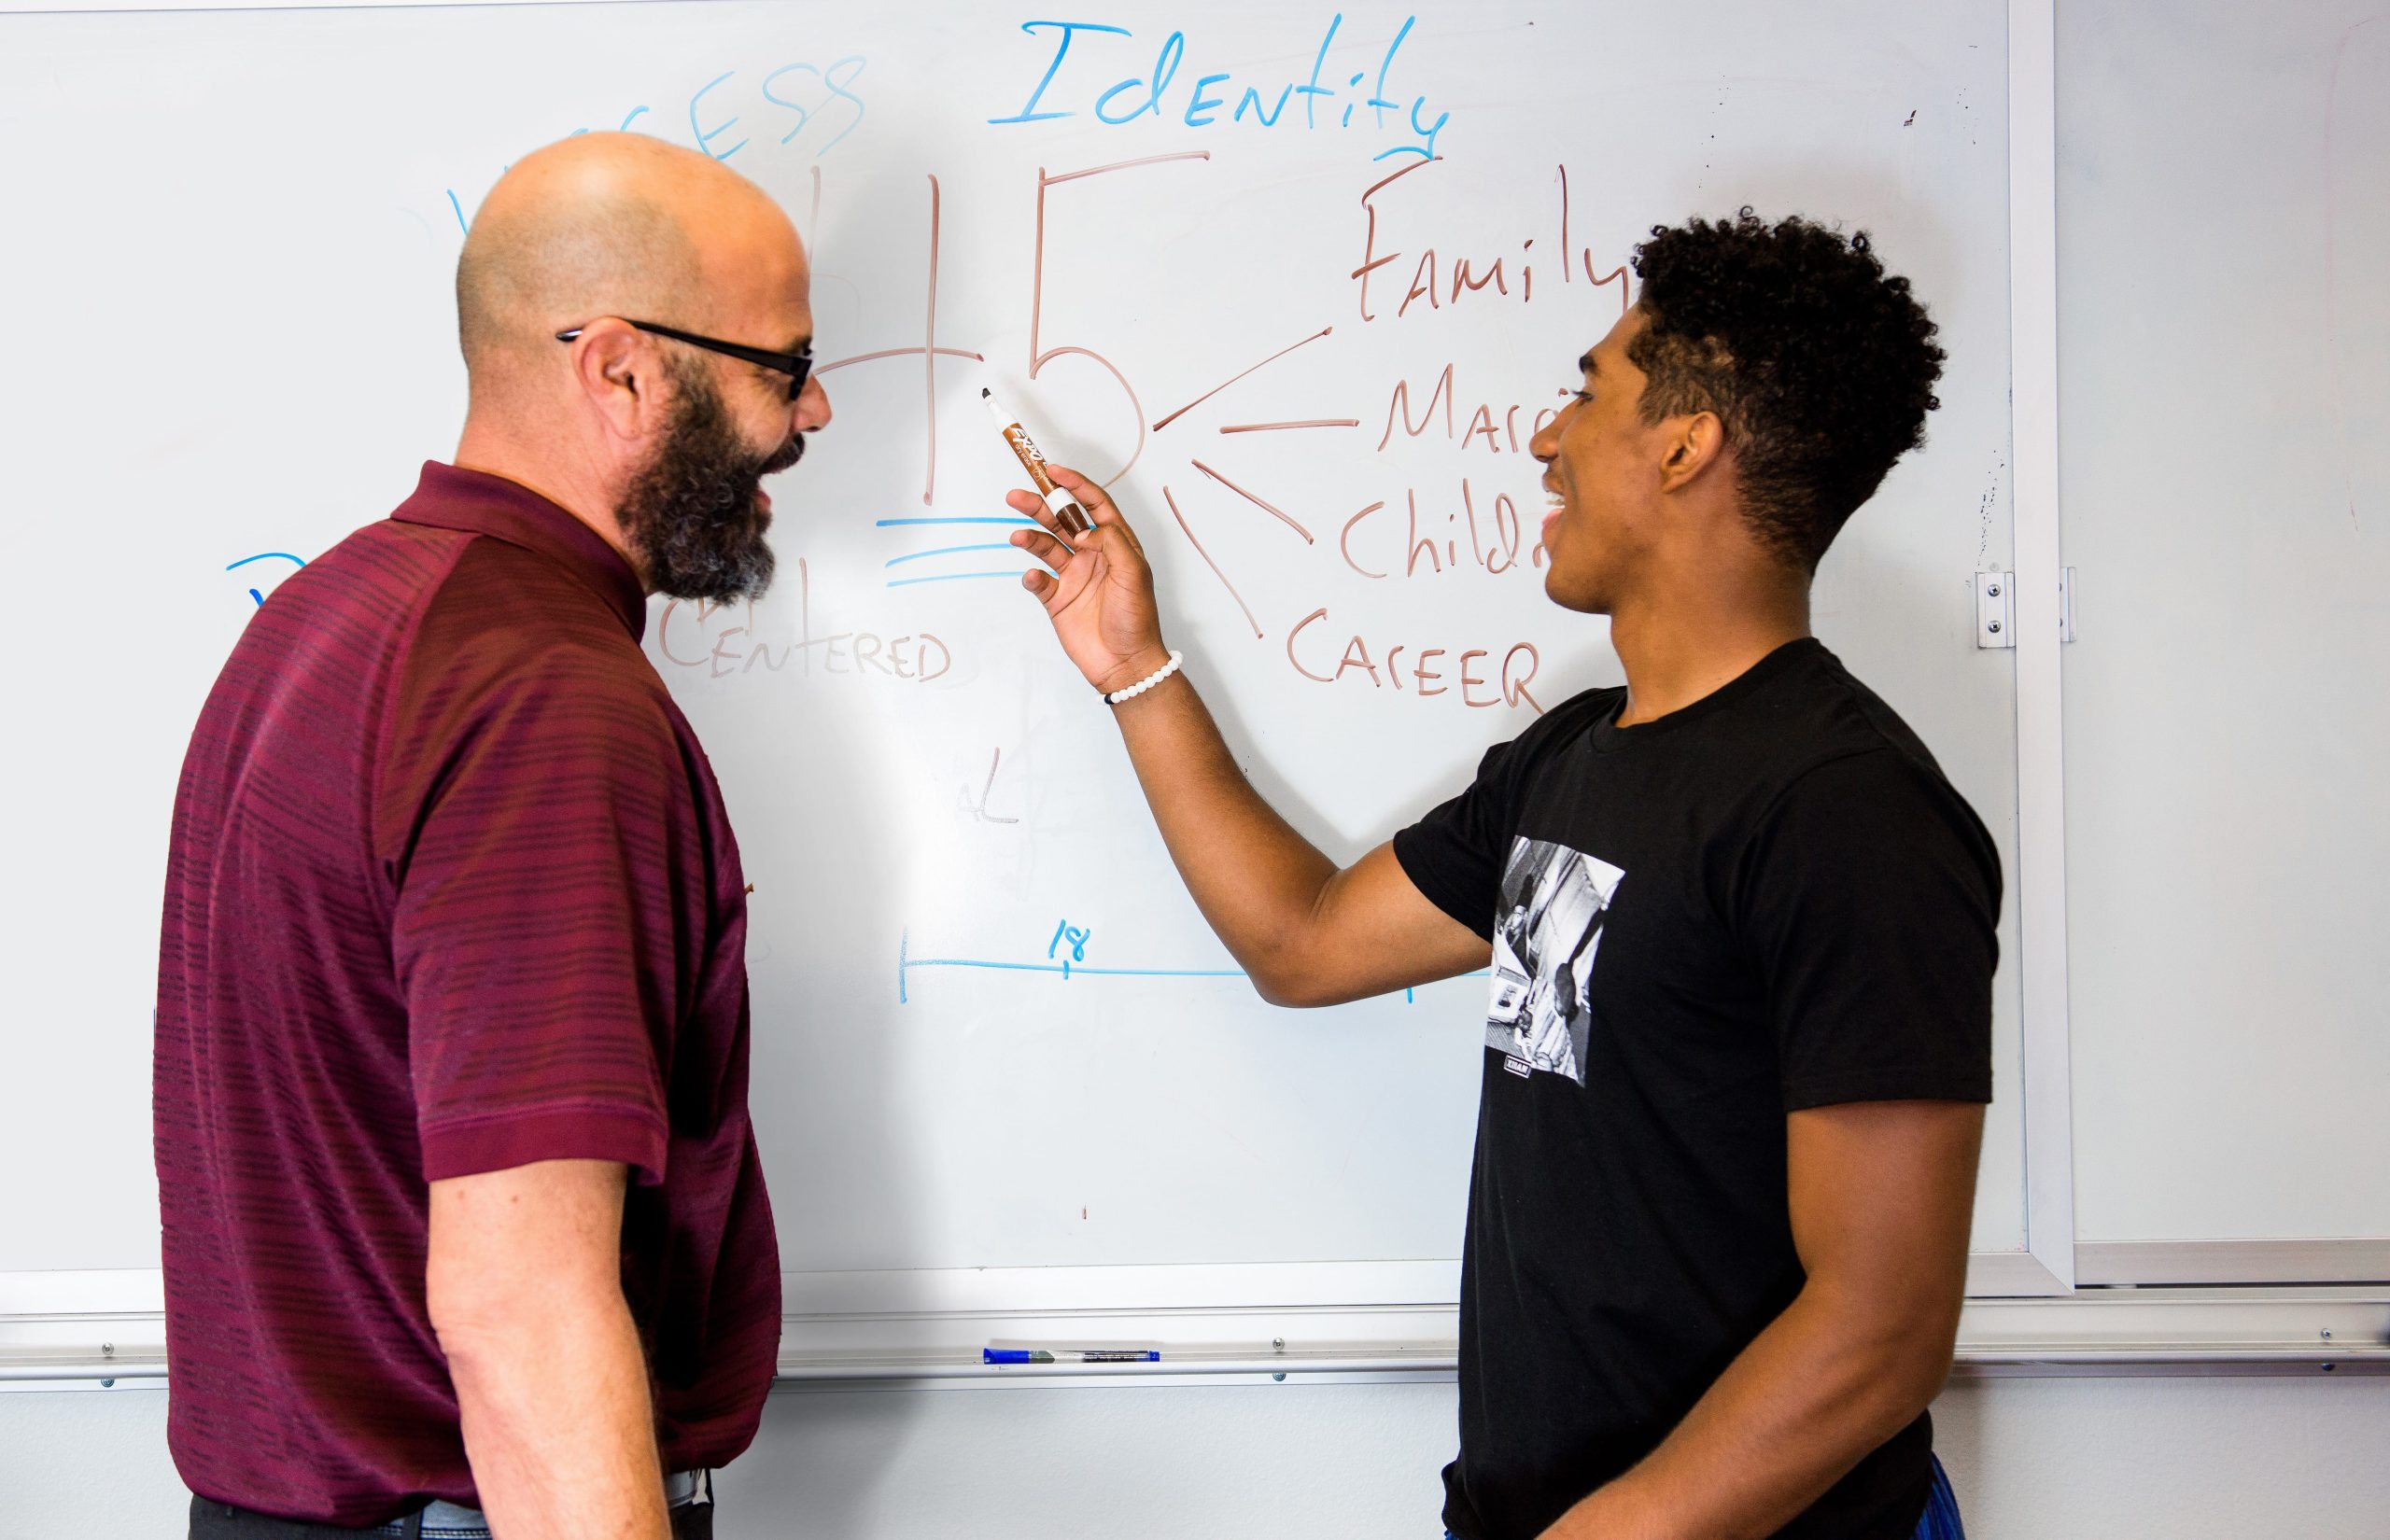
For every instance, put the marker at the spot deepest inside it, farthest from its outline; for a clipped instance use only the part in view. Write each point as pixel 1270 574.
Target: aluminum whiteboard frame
pixel 2040 750
pixel 873 1332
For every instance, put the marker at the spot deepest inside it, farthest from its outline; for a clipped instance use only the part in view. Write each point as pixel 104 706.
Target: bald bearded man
pixel 464 1223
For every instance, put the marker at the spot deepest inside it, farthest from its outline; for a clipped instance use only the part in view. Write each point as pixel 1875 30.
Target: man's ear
pixel 614 366
pixel 1696 446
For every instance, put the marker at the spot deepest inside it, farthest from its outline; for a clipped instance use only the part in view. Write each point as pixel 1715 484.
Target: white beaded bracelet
pixel 1165 671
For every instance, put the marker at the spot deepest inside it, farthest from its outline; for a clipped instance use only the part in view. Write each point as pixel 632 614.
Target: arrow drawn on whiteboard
pixel 1209 562
pixel 1233 378
pixel 1267 508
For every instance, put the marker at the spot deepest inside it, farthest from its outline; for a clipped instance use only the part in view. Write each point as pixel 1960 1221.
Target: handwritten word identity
pixel 1215 99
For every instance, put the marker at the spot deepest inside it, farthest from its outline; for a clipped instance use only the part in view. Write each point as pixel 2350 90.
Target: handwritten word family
pixel 1328 97
pixel 1459 277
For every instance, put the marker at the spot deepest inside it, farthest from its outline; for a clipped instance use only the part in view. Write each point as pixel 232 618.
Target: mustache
pixel 787 457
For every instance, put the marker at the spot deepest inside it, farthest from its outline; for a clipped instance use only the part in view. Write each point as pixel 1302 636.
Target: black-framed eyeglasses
pixel 797 366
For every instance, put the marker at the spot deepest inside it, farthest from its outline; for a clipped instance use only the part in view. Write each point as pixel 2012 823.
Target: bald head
pixel 614 224
pixel 682 295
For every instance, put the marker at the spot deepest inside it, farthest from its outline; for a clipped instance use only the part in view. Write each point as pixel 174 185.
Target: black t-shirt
pixel 1768 901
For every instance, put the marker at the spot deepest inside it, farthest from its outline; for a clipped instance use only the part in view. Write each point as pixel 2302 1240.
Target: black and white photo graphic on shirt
pixel 1545 936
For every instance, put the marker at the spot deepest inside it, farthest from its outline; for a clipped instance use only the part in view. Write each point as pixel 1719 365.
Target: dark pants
pixel 223 1521
pixel 1941 1517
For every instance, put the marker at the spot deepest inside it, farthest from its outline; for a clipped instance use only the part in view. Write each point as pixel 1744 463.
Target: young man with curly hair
pixel 1742 931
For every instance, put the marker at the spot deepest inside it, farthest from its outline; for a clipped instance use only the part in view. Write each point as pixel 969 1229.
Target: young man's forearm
pixel 1812 1396
pixel 1879 1196
pixel 1257 882
pixel 558 1424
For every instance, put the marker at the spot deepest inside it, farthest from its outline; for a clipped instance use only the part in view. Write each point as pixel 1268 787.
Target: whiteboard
pixel 2225 287
pixel 243 346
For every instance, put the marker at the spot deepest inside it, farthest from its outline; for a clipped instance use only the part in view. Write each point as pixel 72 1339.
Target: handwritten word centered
pixel 913 658
pixel 1128 99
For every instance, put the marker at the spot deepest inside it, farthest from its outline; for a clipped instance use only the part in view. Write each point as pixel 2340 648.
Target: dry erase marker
pixel 1065 509
pixel 1091 1356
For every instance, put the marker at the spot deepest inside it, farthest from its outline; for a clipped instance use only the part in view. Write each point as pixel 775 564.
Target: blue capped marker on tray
pixel 1083 1355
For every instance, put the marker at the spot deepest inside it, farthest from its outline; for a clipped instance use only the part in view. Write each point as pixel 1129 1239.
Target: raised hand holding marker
pixel 1065 509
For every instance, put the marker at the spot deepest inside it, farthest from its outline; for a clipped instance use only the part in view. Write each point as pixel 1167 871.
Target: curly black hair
pixel 1820 368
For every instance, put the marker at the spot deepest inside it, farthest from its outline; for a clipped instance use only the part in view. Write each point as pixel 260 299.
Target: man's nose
pixel 811 411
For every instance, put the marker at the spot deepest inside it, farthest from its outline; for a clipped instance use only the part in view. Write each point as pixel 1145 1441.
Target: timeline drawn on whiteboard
pixel 1062 964
pixel 1065 959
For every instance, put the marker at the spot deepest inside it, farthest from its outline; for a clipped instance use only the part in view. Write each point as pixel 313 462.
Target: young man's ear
pixel 1696 443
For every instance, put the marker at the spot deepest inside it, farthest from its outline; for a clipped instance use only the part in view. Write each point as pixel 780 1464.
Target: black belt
pixel 690 1494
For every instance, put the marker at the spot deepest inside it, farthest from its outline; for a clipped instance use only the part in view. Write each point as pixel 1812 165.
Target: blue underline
pixel 946 551
pixel 1016 523
pixel 955 576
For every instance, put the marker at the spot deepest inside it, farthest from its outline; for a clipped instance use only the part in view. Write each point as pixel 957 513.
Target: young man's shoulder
pixel 1852 715
pixel 1569 720
pixel 1808 711
pixel 1850 762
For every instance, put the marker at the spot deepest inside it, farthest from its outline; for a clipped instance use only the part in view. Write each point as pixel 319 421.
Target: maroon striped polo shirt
pixel 451 891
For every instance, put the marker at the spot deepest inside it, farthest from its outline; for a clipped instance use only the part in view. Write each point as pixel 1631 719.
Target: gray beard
pixel 691 515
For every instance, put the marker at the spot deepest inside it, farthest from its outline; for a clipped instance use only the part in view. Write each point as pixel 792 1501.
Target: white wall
pixel 2184 1459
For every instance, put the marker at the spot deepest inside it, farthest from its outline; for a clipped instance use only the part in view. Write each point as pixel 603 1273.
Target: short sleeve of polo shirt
pixel 1873 903
pixel 544 933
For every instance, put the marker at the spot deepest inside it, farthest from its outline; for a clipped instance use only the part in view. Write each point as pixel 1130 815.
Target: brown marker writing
pixel 1065 509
